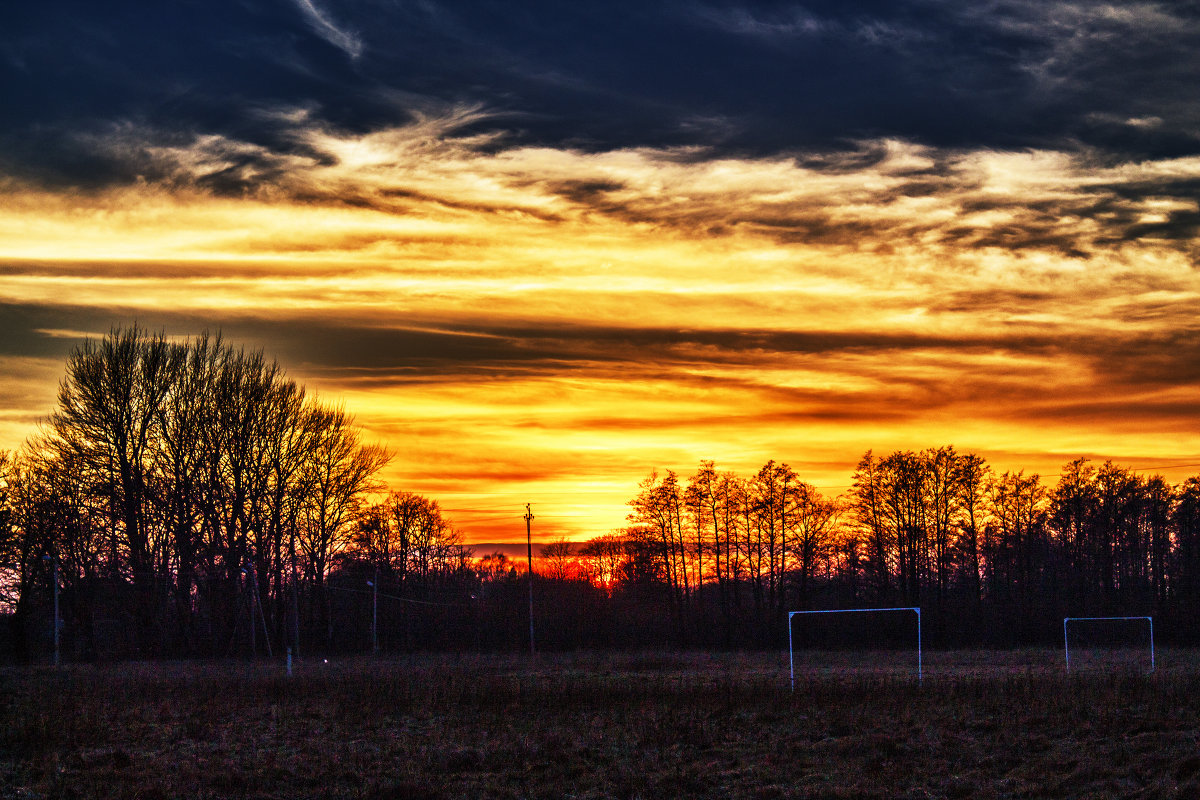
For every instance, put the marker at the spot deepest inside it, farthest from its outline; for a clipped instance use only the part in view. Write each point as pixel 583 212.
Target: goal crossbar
pixel 792 652
pixel 1067 642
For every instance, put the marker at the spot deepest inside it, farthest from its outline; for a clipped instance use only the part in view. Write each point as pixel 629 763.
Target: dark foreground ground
pixel 981 725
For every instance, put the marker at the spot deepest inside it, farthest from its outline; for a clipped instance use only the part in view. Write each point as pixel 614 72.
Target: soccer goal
pixel 1092 633
pixel 792 650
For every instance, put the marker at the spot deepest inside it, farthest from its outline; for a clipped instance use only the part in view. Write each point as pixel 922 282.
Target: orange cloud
pixel 546 326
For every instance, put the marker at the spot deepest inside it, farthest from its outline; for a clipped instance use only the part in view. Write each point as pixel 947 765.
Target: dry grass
pixel 633 726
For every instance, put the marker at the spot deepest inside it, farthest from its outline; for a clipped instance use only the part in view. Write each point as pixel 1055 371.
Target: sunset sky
pixel 542 248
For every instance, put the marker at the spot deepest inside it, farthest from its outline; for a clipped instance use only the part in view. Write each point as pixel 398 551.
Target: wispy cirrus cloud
pixel 319 19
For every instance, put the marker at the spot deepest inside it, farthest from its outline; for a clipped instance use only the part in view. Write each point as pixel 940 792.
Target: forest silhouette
pixel 188 499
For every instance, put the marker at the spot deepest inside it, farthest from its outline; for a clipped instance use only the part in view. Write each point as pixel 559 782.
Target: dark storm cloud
pixel 245 100
pixel 73 71
pixel 749 79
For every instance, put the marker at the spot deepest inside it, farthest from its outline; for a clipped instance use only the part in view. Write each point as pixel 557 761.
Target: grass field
pixel 981 725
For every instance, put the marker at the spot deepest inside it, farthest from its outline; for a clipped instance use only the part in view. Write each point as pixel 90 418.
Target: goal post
pixel 792 651
pixel 1067 639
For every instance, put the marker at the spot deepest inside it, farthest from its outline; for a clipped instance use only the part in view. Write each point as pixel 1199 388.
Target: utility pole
pixel 375 612
pixel 255 600
pixel 248 571
pixel 54 577
pixel 294 632
pixel 529 549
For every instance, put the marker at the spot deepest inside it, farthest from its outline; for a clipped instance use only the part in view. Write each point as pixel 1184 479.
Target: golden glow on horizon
pixel 914 319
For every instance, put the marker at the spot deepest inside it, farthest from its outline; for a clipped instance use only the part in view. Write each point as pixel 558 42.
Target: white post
pixel 1151 620
pixel 920 669
pixel 289 662
pixel 791 652
pixel 1066 644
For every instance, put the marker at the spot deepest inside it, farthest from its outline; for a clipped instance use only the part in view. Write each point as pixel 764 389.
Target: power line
pixel 472 520
pixel 401 599
pixel 1162 466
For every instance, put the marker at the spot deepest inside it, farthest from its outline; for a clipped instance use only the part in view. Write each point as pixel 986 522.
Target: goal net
pixel 861 629
pixel 1108 642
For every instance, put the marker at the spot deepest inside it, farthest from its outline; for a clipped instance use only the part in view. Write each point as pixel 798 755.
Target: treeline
pixel 181 491
pixel 991 558
pixel 191 499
